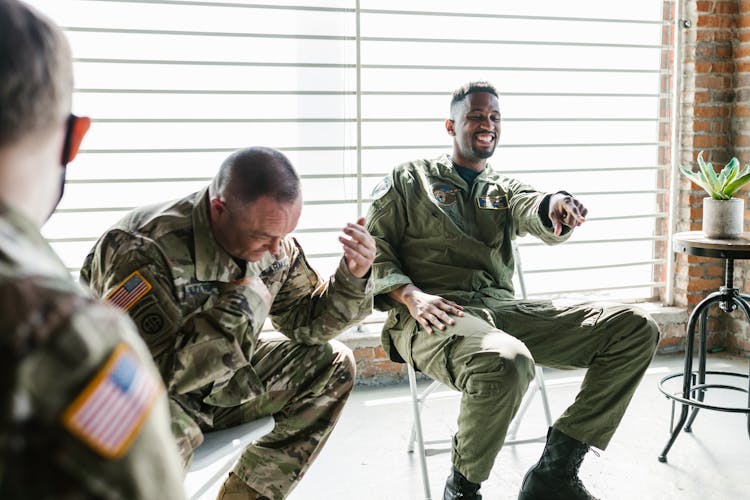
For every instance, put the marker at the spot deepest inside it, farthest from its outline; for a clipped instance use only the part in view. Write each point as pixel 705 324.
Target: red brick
pixel 704 7
pixel 711 111
pixel 742 50
pixel 364 353
pixel 726 8
pixel 704 81
pixel 709 141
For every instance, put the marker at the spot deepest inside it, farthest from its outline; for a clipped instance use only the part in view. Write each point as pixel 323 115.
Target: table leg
pixel 698 312
pixel 703 347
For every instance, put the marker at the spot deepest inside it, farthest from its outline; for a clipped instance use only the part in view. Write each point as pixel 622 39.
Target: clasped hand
pixel 566 210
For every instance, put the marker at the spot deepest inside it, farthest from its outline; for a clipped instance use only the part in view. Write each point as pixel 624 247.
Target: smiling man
pixel 200 275
pixel 443 271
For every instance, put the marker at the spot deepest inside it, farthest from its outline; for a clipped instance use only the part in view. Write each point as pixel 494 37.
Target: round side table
pixel 729 298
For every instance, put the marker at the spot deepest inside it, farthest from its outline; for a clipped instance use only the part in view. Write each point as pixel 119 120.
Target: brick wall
pixel 715 118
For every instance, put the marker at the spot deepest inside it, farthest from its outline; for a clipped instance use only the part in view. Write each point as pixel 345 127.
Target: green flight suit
pixel 203 332
pixel 63 354
pixel 452 239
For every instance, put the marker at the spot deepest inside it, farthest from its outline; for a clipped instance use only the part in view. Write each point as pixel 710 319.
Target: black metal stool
pixel 694 384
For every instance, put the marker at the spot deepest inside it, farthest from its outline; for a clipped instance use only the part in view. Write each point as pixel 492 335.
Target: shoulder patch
pixel 129 291
pixel 382 187
pixel 113 407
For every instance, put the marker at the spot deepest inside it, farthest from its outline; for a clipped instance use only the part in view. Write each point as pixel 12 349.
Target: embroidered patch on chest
pixel 445 194
pixel 497 202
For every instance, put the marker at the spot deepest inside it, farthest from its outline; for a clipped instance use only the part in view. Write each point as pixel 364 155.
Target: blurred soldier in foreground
pixel 83 413
pixel 200 275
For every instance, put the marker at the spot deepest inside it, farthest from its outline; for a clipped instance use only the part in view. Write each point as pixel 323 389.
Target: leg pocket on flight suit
pixel 578 315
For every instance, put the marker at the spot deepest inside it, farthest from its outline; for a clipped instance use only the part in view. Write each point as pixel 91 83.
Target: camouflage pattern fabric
pixel 452 239
pixel 203 331
pixel 56 342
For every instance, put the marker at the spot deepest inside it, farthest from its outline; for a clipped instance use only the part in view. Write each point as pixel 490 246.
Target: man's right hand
pixel 430 311
pixel 257 285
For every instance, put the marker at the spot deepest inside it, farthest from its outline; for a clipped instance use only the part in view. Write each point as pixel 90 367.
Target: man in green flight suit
pixel 443 271
pixel 211 267
pixel 83 412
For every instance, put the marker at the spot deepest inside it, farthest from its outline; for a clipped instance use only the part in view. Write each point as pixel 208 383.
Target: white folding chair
pixel 418 400
pixel 218 453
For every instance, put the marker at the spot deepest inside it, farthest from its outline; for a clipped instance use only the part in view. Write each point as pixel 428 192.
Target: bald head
pixel 255 201
pixel 252 173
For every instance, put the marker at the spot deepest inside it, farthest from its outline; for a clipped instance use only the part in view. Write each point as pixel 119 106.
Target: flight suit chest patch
pixel 492 198
pixel 444 194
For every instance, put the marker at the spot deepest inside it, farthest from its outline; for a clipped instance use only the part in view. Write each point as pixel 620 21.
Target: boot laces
pixel 572 473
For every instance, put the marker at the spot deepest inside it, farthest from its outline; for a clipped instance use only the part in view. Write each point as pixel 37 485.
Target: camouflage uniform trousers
pixel 306 389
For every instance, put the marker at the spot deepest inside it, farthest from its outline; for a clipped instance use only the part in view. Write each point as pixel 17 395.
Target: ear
pixel 449 126
pixel 218 207
pixel 78 129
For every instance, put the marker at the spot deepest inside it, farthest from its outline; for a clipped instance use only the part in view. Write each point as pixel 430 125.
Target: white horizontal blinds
pixel 174 86
pixel 580 93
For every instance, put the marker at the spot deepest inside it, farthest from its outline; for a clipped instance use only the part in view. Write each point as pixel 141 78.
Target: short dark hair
pixel 36 72
pixel 471 88
pixel 250 173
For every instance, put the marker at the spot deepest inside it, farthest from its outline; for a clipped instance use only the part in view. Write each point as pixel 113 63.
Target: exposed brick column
pixel 706 125
pixel 740 338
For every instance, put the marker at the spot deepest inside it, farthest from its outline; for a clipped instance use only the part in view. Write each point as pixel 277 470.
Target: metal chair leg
pixel 417 431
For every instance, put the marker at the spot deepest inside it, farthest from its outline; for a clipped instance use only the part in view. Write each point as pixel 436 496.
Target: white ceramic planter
pixel 723 219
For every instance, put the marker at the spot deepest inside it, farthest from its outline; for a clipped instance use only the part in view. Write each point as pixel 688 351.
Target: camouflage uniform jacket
pixel 200 328
pixel 58 351
pixel 448 238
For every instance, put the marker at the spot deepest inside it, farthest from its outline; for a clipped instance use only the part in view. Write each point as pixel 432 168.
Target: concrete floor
pixel 366 457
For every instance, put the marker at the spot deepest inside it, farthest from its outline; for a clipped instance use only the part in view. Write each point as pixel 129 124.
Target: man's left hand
pixel 566 210
pixel 359 248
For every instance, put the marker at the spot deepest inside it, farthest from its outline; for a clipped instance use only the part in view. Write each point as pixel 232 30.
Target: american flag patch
pixel 130 291
pixel 110 411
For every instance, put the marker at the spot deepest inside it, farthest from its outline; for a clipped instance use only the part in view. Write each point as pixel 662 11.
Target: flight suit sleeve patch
pixel 110 411
pixel 381 188
pixel 129 291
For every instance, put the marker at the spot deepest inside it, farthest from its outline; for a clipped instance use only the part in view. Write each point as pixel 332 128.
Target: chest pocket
pixel 492 213
pixel 274 274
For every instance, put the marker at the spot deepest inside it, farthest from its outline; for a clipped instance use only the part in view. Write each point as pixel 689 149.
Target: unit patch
pixel 382 187
pixel 129 291
pixel 445 194
pixel 110 411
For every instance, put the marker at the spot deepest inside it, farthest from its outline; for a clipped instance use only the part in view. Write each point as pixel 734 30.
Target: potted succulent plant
pixel 722 213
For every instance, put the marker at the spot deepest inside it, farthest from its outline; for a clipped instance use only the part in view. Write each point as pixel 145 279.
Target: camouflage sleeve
pixel 525 202
pixel 89 402
pixel 386 221
pixel 193 346
pixel 311 311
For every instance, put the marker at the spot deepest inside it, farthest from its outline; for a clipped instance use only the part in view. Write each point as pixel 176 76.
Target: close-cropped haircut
pixel 470 88
pixel 250 173
pixel 36 72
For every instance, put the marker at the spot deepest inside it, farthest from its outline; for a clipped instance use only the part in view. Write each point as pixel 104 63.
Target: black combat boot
pixel 555 476
pixel 457 487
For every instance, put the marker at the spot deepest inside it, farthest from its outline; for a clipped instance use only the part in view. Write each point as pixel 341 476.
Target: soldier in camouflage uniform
pixel 83 412
pixel 444 269
pixel 211 268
